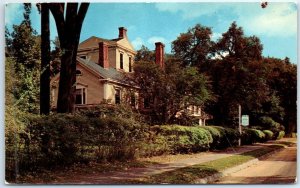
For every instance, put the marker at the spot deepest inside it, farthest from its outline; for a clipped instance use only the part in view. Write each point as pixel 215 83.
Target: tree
pixel 24 48
pixel 234 44
pixel 45 60
pixel 170 90
pixel 68 24
pixel 144 54
pixel 194 47
pixel 282 79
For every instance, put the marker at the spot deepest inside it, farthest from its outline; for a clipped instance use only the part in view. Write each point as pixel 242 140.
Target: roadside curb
pixel 216 176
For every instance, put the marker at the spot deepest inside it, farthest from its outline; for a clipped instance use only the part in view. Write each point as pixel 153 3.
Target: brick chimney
pixel 103 55
pixel 122 32
pixel 159 54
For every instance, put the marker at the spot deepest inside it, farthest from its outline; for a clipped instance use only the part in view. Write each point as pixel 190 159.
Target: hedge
pixel 65 139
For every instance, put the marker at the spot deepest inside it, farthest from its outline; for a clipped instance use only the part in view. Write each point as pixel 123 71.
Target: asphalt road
pixel 279 168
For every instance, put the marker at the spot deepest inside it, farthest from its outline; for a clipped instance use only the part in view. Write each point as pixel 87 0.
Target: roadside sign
pixel 245 120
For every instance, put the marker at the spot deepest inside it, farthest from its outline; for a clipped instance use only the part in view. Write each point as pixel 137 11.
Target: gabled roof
pixel 109 73
pixel 94 42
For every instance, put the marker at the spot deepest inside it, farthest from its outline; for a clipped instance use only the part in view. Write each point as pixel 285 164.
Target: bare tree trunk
pixel 45 63
pixel 69 29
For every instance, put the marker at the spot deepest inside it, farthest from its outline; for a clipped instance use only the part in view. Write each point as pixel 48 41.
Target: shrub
pixel 180 139
pixel 268 134
pixel 250 136
pixel 64 139
pixel 229 137
pixel 280 135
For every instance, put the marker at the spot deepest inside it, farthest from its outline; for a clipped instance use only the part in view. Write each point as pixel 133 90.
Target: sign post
pixel 240 127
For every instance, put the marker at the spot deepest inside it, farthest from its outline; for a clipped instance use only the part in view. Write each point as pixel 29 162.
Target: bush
pixel 268 134
pixel 179 139
pixel 280 135
pixel 250 136
pixel 64 139
pixel 222 137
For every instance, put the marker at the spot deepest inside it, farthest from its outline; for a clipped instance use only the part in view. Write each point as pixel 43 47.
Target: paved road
pixel 279 168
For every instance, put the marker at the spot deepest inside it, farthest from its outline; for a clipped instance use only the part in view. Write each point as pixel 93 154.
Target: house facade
pixel 100 68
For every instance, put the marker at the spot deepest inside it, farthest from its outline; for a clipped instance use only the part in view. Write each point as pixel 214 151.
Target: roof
pixel 94 42
pixel 110 73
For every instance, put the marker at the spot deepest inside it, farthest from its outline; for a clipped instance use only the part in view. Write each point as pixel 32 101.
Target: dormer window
pixel 78 72
pixel 121 61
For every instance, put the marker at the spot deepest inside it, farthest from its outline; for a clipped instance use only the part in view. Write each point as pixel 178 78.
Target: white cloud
pixel 155 39
pixel 137 42
pixel 12 11
pixel 277 20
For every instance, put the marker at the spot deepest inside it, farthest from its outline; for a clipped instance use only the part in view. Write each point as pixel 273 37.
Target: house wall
pixel 125 48
pixel 94 88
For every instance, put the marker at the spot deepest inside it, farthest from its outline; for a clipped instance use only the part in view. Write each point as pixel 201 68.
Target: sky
pixel 147 23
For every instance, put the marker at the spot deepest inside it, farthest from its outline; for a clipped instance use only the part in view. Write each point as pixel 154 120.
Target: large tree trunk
pixel 69 29
pixel 45 63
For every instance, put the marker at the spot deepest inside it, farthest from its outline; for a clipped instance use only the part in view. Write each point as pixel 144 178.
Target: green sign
pixel 245 120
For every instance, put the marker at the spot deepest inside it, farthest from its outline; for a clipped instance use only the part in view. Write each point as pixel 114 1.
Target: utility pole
pixel 240 127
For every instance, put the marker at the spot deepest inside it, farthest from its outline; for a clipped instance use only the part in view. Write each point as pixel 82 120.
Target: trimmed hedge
pixel 280 135
pixel 65 139
pixel 250 136
pixel 222 137
pixel 268 134
pixel 179 139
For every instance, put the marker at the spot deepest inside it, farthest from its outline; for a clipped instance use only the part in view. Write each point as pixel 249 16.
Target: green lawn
pixel 188 175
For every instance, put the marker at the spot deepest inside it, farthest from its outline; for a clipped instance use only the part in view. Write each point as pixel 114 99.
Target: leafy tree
pixel 194 47
pixel 234 44
pixel 144 54
pixel 170 90
pixel 68 24
pixel 24 47
pixel 282 79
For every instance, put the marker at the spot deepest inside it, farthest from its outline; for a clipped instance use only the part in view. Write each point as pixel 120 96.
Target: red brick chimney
pixel 103 55
pixel 159 54
pixel 122 32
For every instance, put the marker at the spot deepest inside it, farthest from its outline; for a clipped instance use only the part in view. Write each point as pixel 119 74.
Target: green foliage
pixel 268 134
pixel 170 90
pixel 178 139
pixel 193 47
pixel 64 139
pixel 250 136
pixel 222 137
pixel 23 46
pixel 144 54
pixel 280 135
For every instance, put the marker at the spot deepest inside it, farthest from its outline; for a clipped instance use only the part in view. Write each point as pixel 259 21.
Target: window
pixel 118 96
pixel 148 101
pixel 132 99
pixel 78 73
pixel 130 66
pixel 80 96
pixel 121 61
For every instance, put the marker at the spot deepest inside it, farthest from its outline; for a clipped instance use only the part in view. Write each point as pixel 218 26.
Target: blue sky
pixel 148 23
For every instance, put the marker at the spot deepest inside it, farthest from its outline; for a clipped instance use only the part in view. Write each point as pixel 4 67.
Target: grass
pixel 188 175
